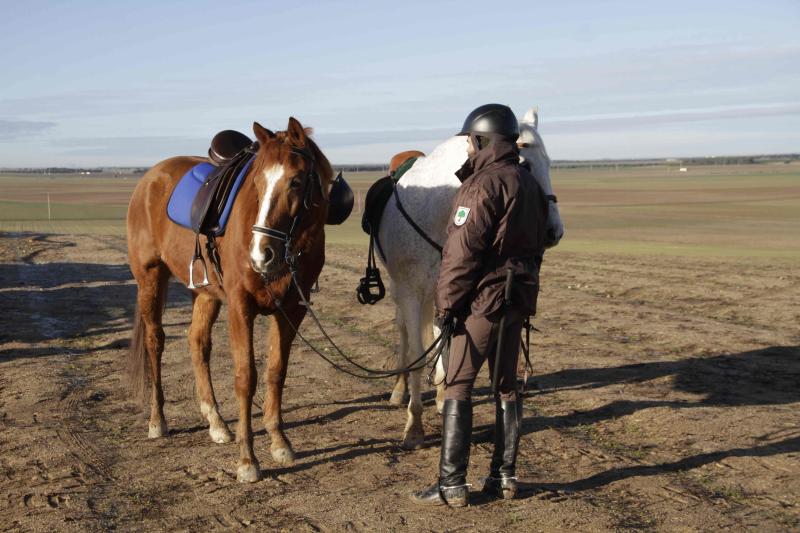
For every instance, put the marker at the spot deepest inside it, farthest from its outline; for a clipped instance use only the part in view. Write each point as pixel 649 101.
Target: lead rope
pixel 370 373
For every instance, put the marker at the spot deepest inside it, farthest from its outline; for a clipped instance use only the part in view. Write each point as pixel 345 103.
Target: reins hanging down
pixel 372 280
pixel 437 347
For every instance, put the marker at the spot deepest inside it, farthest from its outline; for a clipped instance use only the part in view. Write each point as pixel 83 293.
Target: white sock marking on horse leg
pixel 216 426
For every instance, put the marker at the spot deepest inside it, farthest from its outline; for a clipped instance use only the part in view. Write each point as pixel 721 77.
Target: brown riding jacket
pixel 498 221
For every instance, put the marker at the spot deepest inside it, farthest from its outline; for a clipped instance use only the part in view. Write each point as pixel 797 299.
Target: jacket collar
pixel 500 150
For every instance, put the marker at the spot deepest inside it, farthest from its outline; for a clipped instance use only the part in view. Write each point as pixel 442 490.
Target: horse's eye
pixel 524 145
pixel 295 184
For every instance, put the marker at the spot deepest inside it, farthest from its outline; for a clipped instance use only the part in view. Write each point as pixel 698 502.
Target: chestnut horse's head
pixel 293 179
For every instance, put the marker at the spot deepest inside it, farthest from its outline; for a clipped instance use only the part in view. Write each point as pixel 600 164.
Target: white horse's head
pixel 533 153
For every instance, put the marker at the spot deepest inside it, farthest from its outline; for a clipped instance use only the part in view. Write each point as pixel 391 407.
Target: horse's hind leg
pixel 205 310
pixel 151 297
pixel 414 434
pixel 400 391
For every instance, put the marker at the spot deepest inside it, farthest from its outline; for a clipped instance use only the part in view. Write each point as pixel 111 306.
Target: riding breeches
pixel 474 341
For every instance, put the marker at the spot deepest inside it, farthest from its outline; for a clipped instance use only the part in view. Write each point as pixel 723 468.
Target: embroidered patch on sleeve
pixel 461 215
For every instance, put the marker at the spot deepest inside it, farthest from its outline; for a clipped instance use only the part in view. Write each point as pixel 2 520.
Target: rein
pixel 291 258
pixel 439 345
pixel 287 237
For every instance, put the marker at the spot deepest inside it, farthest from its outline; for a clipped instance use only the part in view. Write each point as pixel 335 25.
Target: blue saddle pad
pixel 179 208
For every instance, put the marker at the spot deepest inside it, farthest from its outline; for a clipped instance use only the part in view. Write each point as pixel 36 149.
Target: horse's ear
pixel 262 133
pixel 295 133
pixel 532 116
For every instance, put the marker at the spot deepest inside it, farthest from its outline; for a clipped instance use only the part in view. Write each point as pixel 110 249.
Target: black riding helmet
pixel 496 119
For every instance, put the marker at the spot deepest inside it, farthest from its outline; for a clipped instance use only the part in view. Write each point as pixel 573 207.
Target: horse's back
pixel 149 228
pixel 426 190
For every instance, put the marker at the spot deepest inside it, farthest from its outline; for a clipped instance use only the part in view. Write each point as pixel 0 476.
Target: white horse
pixel 426 191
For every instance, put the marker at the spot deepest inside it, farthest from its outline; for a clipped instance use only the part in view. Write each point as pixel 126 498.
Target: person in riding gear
pixel 498 223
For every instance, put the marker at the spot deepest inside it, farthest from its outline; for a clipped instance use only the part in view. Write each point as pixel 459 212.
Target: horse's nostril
pixel 269 255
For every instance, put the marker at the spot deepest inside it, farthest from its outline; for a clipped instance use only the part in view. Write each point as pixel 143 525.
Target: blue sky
pixel 113 83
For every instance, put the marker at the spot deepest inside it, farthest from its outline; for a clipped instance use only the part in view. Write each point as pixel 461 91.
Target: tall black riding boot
pixel 502 480
pixel 451 487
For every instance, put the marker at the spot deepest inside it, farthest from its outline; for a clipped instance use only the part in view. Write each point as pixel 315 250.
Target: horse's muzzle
pixel 552 236
pixel 267 261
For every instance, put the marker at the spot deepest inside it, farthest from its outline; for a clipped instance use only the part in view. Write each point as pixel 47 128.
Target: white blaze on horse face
pixel 272 176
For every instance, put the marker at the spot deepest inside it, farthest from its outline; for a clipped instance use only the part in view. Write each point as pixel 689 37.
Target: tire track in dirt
pixel 76 471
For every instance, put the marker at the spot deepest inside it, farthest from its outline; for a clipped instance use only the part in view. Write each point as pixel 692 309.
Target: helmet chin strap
pixel 476 144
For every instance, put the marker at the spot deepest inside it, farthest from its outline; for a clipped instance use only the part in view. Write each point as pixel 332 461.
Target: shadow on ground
pixel 65 302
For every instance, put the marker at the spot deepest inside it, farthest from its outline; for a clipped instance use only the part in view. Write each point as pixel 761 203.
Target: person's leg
pixel 467 352
pixel 502 481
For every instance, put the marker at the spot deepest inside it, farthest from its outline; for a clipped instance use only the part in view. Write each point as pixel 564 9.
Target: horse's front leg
pixel 240 322
pixel 204 313
pixel 281 335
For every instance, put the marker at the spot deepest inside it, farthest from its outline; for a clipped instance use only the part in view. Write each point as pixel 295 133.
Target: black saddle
pixel 378 196
pixel 225 145
pixel 212 198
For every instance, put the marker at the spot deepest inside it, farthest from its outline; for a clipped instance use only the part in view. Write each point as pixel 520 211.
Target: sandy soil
pixel 665 398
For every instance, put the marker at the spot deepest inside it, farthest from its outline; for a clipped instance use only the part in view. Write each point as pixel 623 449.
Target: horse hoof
pixel 220 435
pixel 248 473
pixel 413 441
pixel 155 431
pixel 283 456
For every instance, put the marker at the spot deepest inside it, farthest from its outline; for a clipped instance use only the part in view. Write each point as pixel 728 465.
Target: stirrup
pixel 372 280
pixel 205 281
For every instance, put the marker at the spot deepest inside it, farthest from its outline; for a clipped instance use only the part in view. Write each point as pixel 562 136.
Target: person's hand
pixel 444 318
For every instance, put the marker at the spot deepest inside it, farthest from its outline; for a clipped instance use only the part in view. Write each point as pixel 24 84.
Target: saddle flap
pixel 180 203
pixel 375 202
pixel 203 198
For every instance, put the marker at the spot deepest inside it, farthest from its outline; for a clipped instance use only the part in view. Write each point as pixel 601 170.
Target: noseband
pixel 308 187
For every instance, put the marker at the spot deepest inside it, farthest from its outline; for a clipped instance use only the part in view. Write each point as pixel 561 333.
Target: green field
pixel 747 210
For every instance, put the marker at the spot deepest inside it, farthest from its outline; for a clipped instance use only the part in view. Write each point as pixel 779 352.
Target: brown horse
pixel 289 177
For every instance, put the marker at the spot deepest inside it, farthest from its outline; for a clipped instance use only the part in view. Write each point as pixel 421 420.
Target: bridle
pixel 291 258
pixel 310 179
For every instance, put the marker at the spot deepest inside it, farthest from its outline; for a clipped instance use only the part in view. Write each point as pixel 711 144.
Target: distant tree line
pixel 680 162
pixel 562 163
pixel 116 171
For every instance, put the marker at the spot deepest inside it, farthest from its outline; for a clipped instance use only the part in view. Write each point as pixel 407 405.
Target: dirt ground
pixel 665 398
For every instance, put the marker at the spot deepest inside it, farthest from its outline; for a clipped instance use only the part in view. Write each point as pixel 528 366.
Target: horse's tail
pixel 138 365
